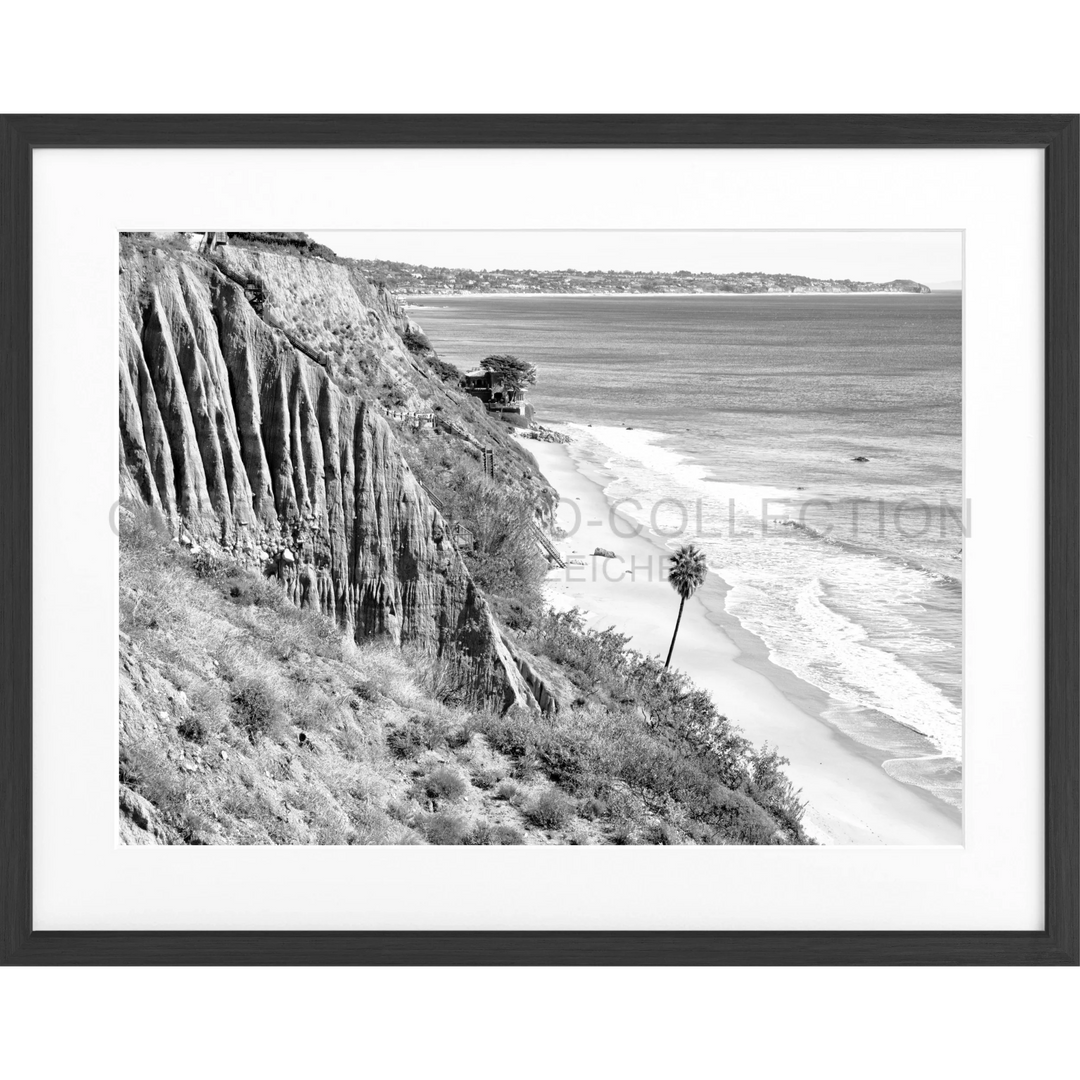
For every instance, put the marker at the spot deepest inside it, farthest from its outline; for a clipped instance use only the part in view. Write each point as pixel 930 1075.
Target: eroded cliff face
pixel 244 421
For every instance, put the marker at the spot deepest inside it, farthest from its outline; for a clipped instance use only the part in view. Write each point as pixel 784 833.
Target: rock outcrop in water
pixel 249 419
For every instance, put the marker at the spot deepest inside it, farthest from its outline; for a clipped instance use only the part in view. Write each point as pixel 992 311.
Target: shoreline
pixel 850 798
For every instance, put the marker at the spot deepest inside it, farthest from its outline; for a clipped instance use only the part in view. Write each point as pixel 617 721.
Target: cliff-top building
pixel 495 391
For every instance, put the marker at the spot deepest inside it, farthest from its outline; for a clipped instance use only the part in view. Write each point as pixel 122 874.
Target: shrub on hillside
pixel 415 340
pixel 507 790
pixel 247 588
pixel 256 709
pixel 487 778
pixel 364 691
pixel 663 832
pixel 551 809
pixel 208 567
pixel 210 711
pixel 311 710
pixel 486 833
pixel 479 834
pixel 444 782
pixel 445 827
pixel 196 728
pixel 416 734
pixel 772 789
pixel 592 658
pixel 406 741
pixel 652 730
pixel 740 818
pixel 448 373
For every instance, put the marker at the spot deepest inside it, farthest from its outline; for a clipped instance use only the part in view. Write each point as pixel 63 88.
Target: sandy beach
pixel 850 798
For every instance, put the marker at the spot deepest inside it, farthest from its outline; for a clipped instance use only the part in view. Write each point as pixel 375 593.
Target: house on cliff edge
pixel 495 391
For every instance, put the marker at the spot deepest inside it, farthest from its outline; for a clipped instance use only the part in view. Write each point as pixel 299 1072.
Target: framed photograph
pixel 540 539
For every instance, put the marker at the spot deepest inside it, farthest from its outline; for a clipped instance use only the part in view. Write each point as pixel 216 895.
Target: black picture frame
pixel 1058 136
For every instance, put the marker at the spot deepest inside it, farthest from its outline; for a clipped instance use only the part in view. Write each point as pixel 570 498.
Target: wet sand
pixel 850 798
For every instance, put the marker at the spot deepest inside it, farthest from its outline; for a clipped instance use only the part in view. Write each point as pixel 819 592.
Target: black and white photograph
pixel 631 537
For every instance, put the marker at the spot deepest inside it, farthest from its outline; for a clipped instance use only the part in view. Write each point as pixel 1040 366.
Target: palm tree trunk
pixel 667 662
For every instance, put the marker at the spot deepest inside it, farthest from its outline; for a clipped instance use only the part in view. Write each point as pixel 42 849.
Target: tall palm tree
pixel 687 572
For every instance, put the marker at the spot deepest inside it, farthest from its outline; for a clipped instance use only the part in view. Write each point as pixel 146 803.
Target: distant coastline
pixel 409 297
pixel 413 279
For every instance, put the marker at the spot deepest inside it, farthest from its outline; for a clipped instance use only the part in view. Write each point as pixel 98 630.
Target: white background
pixel 83 198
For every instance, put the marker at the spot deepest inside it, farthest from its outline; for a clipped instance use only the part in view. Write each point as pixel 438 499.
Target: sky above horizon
pixel 870 255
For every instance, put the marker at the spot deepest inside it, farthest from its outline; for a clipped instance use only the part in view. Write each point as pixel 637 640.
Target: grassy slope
pixel 221 676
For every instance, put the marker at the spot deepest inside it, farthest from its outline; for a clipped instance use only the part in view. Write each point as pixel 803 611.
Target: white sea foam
pixel 846 621
pixel 660 476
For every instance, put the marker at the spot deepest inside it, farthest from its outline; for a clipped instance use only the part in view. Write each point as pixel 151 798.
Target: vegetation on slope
pixel 331 312
pixel 493 521
pixel 247 720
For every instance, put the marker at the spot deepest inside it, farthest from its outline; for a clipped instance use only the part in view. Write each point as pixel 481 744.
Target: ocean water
pixel 700 408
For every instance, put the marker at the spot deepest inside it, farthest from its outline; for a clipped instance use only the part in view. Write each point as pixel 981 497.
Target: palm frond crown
pixel 688 570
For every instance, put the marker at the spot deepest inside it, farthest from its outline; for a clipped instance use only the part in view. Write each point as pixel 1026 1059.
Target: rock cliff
pixel 252 416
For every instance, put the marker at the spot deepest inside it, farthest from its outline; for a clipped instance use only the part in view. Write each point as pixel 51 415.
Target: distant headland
pixel 408 279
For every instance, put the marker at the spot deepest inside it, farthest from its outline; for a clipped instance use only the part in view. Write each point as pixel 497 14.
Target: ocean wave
pixel 859 673
pixel 907 561
pixel 852 620
pixel 939 774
